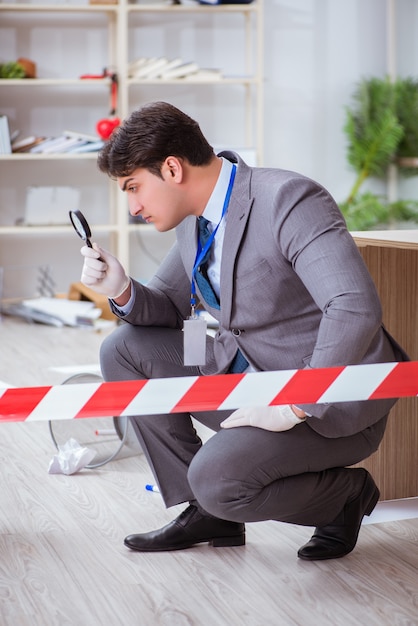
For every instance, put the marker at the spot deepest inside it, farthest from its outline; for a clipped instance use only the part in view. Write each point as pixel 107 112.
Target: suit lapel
pixel 237 217
pixel 186 233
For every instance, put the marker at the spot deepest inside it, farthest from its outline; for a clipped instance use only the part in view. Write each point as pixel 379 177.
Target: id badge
pixel 194 341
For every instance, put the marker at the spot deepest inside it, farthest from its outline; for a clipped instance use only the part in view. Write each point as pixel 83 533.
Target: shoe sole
pixel 228 542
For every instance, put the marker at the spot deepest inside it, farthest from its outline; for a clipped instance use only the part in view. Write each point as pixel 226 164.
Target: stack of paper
pixel 61 312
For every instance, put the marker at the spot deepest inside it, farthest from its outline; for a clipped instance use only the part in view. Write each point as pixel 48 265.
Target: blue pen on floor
pixel 152 488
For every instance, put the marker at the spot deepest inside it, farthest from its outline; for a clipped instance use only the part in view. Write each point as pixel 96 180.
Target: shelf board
pixel 28 156
pixel 131 8
pixel 62 82
pixel 60 8
pixel 51 229
pixel 226 80
pixel 55 82
pixel 192 8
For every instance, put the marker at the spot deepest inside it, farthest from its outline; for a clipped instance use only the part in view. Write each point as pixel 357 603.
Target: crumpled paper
pixel 71 458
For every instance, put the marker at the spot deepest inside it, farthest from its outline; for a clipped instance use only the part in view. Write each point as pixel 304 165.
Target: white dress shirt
pixel 213 213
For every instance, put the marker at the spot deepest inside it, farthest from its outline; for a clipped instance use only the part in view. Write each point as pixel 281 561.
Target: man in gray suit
pixel 289 290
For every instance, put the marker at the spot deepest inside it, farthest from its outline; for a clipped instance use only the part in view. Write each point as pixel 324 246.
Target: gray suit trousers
pixel 243 474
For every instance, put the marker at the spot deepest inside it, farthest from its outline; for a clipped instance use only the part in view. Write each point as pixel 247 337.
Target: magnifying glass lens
pixel 81 226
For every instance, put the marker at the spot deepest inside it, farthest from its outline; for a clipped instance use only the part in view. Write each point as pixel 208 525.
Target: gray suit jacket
pixel 295 292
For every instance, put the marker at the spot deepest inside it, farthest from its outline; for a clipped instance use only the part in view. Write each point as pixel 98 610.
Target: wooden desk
pixel 392 259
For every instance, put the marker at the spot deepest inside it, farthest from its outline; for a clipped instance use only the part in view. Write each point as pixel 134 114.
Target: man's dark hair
pixel 148 136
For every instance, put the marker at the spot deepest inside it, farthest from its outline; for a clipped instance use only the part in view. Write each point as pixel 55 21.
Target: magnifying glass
pixel 81 226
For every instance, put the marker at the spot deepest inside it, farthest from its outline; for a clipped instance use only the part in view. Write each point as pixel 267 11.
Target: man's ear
pixel 172 169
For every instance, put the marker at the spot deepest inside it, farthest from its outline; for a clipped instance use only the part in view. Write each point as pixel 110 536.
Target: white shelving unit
pixel 67 40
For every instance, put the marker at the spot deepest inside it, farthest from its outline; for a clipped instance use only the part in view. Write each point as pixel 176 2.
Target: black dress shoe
pixel 339 538
pixel 189 528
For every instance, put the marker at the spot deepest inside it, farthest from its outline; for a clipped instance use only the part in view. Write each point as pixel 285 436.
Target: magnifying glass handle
pixel 90 245
pixel 81 227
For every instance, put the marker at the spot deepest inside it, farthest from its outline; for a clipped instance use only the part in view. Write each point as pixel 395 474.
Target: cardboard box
pixel 78 291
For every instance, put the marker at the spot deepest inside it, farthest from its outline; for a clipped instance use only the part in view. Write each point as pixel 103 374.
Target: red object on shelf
pixel 106 126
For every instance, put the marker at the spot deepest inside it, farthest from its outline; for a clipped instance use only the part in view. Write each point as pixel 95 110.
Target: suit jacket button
pixel 236 332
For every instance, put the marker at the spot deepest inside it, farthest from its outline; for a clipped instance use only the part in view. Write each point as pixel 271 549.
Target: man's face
pixel 158 201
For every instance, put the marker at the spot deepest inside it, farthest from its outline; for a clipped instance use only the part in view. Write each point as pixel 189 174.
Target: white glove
pixel 103 273
pixel 276 418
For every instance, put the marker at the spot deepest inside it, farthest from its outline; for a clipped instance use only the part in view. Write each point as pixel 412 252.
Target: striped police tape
pixel 204 393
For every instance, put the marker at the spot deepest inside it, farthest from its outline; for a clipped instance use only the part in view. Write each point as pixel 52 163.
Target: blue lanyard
pixel 202 251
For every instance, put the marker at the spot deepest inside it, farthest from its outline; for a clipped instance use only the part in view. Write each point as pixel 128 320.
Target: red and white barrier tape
pixel 204 393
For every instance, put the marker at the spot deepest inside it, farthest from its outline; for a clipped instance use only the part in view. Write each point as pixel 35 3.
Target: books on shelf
pixel 135 66
pixel 42 145
pixel 85 136
pixel 170 65
pixel 152 69
pixel 23 145
pixel 5 142
pixel 185 69
pixel 139 66
pixel 90 146
pixel 69 142
pixel 56 145
pixel 164 69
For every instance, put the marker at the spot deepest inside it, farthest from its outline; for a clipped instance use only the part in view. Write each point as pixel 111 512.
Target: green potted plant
pixel 11 69
pixel 407 111
pixel 22 68
pixel 382 129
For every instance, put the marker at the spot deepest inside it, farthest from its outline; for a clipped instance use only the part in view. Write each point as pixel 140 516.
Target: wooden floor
pixel 61 537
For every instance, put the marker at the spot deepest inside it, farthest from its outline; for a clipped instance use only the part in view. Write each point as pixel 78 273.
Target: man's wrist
pixel 298 412
pixel 124 296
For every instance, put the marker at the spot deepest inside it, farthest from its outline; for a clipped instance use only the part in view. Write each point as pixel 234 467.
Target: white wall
pixel 319 49
pixel 316 52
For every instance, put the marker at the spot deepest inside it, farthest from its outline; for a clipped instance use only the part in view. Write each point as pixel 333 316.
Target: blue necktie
pixel 239 363
pixel 201 275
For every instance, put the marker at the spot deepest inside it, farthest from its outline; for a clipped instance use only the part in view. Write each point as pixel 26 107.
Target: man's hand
pixel 275 418
pixel 103 273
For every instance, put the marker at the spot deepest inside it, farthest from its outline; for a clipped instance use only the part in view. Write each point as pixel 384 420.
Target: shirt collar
pixel 213 209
